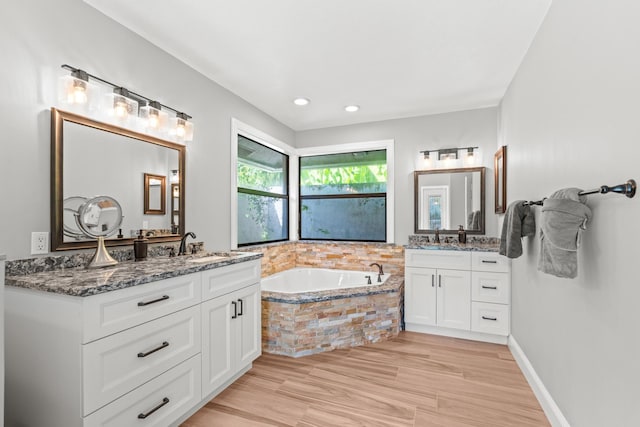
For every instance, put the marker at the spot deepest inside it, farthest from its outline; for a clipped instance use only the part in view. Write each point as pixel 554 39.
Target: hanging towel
pixel 518 223
pixel 563 218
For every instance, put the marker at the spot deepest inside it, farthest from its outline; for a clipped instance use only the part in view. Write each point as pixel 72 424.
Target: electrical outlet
pixel 39 242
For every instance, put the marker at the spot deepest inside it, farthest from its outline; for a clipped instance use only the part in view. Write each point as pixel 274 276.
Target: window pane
pixel 344 219
pixel 344 173
pixel 261 168
pixel 261 219
pixel 435 213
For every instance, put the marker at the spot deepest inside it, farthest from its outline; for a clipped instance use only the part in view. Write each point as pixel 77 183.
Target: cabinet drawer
pixel 489 261
pixel 115 365
pixel 112 312
pixel 453 260
pixel 220 281
pixel 491 287
pixel 172 393
pixel 490 318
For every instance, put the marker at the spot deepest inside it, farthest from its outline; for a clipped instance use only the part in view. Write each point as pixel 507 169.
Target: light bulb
pixel 180 131
pixel 120 109
pixel 154 120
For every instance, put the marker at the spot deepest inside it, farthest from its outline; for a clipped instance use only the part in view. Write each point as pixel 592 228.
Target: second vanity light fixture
pixel 449 157
pixel 122 107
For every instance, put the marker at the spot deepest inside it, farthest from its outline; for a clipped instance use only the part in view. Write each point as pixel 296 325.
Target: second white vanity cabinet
pixel 465 294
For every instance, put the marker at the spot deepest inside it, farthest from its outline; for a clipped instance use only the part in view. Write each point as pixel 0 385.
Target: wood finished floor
pixel 414 380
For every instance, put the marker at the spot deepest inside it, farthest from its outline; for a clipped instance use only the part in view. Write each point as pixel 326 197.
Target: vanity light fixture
pixel 351 108
pixel 175 178
pixel 301 101
pixel 447 157
pixel 127 108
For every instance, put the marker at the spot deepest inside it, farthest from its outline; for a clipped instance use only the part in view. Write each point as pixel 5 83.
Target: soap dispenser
pixel 140 247
pixel 462 234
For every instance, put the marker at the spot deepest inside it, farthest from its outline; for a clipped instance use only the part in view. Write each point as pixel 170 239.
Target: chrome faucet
pixel 380 272
pixel 183 242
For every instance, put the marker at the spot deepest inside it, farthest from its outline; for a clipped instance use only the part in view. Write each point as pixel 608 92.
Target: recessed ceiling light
pixel 301 101
pixel 351 108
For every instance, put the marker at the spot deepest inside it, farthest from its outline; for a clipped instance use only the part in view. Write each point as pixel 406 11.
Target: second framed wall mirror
pixel 444 199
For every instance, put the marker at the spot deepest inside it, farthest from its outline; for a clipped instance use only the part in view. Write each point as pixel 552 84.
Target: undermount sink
pixel 209 258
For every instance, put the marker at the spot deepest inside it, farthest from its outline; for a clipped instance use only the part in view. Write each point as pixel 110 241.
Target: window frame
pixel 239 128
pixel 387 145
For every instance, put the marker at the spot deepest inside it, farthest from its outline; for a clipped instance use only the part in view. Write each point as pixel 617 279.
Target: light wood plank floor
pixel 414 380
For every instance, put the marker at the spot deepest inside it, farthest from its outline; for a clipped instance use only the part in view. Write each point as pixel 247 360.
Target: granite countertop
pixel 475 247
pixel 393 284
pixel 82 282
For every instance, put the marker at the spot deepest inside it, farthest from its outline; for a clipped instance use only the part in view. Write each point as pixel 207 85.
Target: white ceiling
pixel 394 58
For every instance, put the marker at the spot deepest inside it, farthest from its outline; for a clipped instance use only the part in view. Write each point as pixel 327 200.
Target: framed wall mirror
pixel 444 199
pixel 155 194
pixel 500 179
pixel 91 158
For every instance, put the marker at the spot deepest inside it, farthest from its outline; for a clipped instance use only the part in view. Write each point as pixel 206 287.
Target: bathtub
pixel 312 310
pixel 302 280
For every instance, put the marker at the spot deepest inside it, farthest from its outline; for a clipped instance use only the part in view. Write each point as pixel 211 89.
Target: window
pixel 343 196
pixel 263 193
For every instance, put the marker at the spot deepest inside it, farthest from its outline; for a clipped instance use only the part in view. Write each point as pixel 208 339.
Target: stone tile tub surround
pixel 82 282
pixel 313 322
pixel 354 256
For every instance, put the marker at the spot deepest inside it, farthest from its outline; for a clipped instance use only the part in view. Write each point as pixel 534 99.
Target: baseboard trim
pixel 551 410
pixel 456 333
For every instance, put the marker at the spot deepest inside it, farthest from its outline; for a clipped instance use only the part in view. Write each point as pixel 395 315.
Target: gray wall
pixel 36 37
pixel 570 118
pixel 459 129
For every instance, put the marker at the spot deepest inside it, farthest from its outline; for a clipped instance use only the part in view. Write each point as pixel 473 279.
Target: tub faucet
pixel 380 272
pixel 183 242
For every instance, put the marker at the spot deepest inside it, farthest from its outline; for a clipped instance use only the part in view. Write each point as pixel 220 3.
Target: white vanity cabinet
pixel 231 325
pixel 458 293
pixel 129 357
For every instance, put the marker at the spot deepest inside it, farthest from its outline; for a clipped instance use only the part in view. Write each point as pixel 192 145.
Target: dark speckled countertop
pixel 82 282
pixel 476 247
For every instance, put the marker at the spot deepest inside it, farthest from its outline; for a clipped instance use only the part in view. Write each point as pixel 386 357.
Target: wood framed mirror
pixel 90 158
pixel 444 199
pixel 155 194
pixel 500 179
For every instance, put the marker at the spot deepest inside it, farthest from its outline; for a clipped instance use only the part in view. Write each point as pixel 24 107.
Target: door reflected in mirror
pixel 445 199
pixel 155 188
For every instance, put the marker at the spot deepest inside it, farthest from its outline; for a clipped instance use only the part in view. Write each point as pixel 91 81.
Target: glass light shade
pixel 153 120
pixel 120 110
pixel 180 129
pixel 175 178
pixel 78 95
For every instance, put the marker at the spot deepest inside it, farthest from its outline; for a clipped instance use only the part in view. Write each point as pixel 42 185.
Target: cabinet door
pixel 420 296
pixel 247 325
pixel 454 299
pixel 217 342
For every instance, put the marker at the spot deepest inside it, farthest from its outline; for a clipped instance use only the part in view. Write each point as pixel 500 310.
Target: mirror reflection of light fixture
pixel 77 91
pixel 174 178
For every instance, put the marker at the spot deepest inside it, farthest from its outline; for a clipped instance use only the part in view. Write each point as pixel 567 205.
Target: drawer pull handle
pixel 489 318
pixel 162 298
pixel 439 280
pixel 489 287
pixel 235 309
pixel 164 402
pixel 163 345
pixel 486 261
pixel 241 305
pixel 433 280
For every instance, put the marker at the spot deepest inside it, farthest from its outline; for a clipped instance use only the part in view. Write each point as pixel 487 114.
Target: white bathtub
pixel 299 280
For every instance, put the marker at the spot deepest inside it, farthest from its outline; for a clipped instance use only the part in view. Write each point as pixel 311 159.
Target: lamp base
pixel 101 258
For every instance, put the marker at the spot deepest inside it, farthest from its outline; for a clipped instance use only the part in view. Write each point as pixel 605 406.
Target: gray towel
pixel 518 223
pixel 563 218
